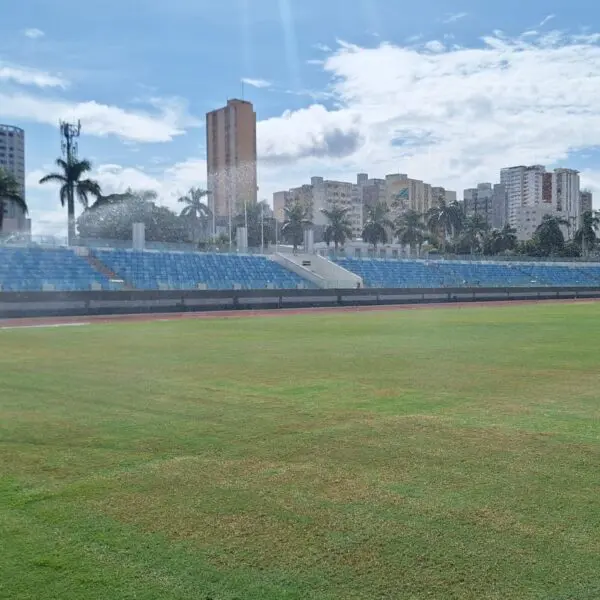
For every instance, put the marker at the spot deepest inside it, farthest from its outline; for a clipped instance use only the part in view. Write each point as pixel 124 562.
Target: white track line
pixel 42 326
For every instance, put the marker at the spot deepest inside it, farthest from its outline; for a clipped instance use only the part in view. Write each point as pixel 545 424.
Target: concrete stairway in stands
pixel 320 271
pixel 99 266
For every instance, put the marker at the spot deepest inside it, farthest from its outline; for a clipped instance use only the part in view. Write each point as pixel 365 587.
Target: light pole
pixel 262 228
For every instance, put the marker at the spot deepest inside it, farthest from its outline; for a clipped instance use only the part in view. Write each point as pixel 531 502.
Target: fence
pixel 44 304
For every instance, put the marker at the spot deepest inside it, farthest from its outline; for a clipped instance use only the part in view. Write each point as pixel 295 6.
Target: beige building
pixel 231 158
pixel 404 193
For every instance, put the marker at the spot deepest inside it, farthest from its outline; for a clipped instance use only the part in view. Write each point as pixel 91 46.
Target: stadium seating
pixel 559 275
pixel 436 274
pixel 38 269
pixel 33 269
pixel 180 270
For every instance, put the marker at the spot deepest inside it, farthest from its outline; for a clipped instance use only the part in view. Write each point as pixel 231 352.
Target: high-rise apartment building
pixel 566 196
pixel 441 192
pixel 532 193
pixel 528 196
pixel 489 201
pixel 12 160
pixel 231 158
pixel 585 201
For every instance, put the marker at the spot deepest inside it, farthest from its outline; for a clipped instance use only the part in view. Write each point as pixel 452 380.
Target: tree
pixel 585 236
pixel 474 231
pixel 548 237
pixel 445 220
pixel 339 228
pixel 261 228
pixel 503 240
pixel 377 224
pixel 571 250
pixel 71 185
pixel 410 229
pixel 196 213
pixel 115 219
pixel 295 222
pixel 10 192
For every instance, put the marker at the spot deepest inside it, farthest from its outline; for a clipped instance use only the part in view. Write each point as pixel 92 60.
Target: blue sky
pixel 446 92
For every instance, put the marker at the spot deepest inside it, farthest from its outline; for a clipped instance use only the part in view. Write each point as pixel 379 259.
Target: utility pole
pixel 69 133
pixel 262 228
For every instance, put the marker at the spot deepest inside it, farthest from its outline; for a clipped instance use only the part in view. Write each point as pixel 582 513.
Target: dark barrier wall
pixel 43 304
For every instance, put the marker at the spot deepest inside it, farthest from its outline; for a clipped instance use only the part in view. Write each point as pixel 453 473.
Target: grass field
pixel 445 453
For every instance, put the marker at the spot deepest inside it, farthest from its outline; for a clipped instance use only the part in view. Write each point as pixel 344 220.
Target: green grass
pixel 404 455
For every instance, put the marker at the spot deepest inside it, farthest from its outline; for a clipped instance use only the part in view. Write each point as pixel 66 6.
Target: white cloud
pixel 167 120
pixel 308 133
pixel 257 83
pixel 322 47
pixel 33 33
pixel 452 117
pixel 26 76
pixel 169 184
pixel 435 46
pixel 546 19
pixel 452 18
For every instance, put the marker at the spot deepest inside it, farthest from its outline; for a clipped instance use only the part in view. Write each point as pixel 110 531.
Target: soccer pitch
pixel 438 453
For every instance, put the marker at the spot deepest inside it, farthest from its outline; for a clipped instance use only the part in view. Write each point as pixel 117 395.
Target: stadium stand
pixel 44 269
pixel 434 274
pixel 146 270
pixel 35 269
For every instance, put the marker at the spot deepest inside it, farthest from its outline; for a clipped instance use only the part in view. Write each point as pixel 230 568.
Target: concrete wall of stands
pixel 44 304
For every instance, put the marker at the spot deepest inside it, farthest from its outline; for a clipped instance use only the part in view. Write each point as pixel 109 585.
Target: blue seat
pixel 151 270
pixel 28 269
pixel 436 274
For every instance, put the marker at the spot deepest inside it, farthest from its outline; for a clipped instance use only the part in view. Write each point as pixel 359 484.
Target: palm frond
pixel 54 177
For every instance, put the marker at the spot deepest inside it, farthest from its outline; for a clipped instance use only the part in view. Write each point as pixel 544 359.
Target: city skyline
pixel 415 91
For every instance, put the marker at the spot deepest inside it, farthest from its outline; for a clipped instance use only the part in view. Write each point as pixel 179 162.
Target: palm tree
pixel 475 228
pixel 377 224
pixel 585 236
pixel 445 220
pixel 410 229
pixel 340 226
pixel 9 191
pixel 71 184
pixel 196 212
pixel 295 222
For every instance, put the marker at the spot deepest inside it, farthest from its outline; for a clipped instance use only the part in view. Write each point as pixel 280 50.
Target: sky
pixel 447 92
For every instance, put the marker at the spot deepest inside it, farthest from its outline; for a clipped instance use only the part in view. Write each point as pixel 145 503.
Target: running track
pixel 40 322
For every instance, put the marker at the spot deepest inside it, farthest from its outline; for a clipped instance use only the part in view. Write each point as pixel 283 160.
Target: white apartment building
pixel 585 201
pixel 531 193
pixel 566 198
pixel 327 194
pixel 323 194
pixel 12 160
